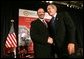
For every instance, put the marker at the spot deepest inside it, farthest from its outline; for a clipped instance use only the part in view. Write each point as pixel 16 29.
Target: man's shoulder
pixel 63 13
pixel 35 21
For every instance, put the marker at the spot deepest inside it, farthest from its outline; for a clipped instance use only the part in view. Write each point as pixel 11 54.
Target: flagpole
pixel 14 50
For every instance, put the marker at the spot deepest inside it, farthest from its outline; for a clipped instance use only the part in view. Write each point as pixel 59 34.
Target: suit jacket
pixel 65 30
pixel 39 35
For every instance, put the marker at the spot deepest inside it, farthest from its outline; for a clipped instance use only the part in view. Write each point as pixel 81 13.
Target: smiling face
pixel 41 13
pixel 51 9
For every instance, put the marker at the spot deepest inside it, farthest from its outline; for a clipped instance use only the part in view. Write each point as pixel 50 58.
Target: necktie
pixel 45 23
pixel 52 20
pixel 53 25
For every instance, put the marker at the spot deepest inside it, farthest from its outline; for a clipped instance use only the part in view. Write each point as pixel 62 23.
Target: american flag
pixel 11 38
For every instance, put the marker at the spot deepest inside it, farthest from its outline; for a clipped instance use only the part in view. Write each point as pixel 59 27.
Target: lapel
pixel 56 20
pixel 41 23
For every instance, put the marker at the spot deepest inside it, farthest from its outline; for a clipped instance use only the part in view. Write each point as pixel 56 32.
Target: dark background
pixel 10 9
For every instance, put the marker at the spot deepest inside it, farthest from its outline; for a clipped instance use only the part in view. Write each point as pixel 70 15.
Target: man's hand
pixel 50 40
pixel 71 48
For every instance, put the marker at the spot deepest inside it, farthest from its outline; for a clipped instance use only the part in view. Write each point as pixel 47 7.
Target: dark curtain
pixel 8 12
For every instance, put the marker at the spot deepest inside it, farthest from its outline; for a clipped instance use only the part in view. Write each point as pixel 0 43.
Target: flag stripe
pixel 7 44
pixel 11 40
pixel 14 37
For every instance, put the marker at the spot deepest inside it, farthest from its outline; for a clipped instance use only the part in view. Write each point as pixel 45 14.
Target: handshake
pixel 50 40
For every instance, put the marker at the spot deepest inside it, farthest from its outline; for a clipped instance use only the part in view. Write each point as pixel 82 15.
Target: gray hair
pixel 53 6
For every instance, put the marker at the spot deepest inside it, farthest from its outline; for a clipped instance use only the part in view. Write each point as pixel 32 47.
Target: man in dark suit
pixel 62 30
pixel 40 36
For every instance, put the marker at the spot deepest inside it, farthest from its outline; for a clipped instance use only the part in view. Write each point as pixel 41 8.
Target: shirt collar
pixel 41 19
pixel 55 15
